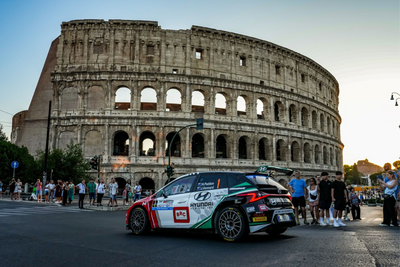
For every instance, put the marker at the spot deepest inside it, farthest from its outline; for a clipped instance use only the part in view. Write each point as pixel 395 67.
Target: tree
pixel 396 164
pixel 67 164
pixel 3 136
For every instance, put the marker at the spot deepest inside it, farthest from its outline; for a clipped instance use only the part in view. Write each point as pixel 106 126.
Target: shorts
pixel 37 192
pixel 340 205
pixel 123 197
pixel 313 203
pixel 91 196
pixel 299 201
pixel 46 192
pixel 114 197
pixel 324 204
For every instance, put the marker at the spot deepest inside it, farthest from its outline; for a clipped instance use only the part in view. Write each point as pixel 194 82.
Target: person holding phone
pixel 390 196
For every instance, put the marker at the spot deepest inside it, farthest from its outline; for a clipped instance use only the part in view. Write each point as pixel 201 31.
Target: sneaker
pixel 383 224
pixel 322 224
pixel 393 225
pixel 347 219
pixel 330 223
pixel 297 223
pixel 306 223
pixel 335 224
pixel 341 224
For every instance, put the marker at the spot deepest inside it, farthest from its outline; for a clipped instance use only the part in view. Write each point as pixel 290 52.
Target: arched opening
pixel 123 99
pixel 148 99
pixel 242 148
pixel 304 117
pixel 220 104
pixel 295 152
pixel 278 111
pixel 331 156
pixel 260 109
pixel 317 153
pixel 292 113
pixel 325 155
pixel 338 164
pixel 333 128
pixel 307 153
pixel 121 144
pixel 322 122
pixel 280 150
pixel 263 149
pixel 147 144
pixel 174 100
pixel 328 125
pixel 197 146
pixel 176 146
pixel 241 106
pixel 121 184
pixel 197 102
pixel 221 147
pixel 147 185
pixel 314 120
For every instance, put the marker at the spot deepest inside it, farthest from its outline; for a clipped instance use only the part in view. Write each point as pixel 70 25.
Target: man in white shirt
pixel 82 187
pixel 137 190
pixel 100 188
pixel 113 192
pixel 51 187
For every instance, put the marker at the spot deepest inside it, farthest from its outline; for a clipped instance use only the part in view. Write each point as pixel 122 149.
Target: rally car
pixel 231 204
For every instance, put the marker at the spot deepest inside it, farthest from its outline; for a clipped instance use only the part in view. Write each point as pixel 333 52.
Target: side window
pixel 211 181
pixel 233 180
pixel 180 187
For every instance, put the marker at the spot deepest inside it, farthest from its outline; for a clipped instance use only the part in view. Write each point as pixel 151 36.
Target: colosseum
pixel 123 88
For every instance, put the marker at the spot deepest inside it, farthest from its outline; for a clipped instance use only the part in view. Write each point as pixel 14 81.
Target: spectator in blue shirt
pixel 298 187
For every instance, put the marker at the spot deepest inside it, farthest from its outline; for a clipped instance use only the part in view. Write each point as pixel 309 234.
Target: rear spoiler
pixel 270 169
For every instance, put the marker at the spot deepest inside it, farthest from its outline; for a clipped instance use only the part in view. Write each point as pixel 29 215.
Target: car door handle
pixel 181 202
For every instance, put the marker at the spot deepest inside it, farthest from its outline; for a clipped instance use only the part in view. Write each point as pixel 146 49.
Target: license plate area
pixel 284 218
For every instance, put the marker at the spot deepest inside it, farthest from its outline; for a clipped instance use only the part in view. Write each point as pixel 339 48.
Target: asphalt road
pixel 34 234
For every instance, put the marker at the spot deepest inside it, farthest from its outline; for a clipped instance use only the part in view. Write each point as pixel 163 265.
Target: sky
pixel 357 41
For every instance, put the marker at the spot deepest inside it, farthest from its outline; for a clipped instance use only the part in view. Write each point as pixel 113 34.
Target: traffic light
pixel 169 171
pixel 93 163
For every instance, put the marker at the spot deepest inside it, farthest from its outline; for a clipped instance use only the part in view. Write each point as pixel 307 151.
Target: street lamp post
pixel 392 98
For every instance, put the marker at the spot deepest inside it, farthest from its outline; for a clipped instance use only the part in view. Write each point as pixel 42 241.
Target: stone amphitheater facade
pixel 287 114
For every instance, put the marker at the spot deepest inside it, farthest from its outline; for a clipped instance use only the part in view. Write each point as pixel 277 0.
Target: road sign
pixel 14 164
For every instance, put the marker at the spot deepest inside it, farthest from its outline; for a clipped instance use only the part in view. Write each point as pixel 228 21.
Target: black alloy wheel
pixel 139 221
pixel 230 224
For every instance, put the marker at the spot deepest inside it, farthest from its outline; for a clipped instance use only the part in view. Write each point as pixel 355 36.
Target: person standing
pixel 113 192
pixel 313 199
pixel 12 188
pixel 324 198
pixel 51 191
pixel 1 190
pixel 82 191
pixel 46 191
pixel 39 190
pixel 58 191
pixel 92 191
pixel 65 193
pixel 100 189
pixel 298 188
pixel 389 195
pixel 124 195
pixel 355 204
pixel 138 191
pixel 340 198
pixel 71 192
pixel 18 189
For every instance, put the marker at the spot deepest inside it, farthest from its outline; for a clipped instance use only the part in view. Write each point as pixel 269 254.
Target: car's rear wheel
pixel 230 224
pixel 275 232
pixel 139 222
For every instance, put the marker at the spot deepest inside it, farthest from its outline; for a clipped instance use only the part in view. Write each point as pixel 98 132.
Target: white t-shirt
pixel 113 188
pixel 312 192
pixel 81 188
pixel 138 188
pixel 100 188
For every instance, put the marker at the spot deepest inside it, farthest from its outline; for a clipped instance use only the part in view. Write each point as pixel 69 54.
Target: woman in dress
pixel 39 190
pixel 313 199
pixel 71 192
pixel 65 194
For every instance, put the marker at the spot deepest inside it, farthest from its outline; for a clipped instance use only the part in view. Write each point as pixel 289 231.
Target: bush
pixel 372 201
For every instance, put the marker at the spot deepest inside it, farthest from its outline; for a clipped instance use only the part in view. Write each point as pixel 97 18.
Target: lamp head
pixel 391 97
pixel 396 104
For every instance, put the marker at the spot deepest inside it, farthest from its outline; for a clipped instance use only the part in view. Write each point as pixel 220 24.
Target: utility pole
pixel 47 146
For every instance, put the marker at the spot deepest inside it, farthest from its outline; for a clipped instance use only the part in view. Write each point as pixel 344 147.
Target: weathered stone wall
pixel 298 128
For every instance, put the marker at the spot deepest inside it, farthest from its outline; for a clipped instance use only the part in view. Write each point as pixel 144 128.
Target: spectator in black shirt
pixel 339 196
pixel 324 198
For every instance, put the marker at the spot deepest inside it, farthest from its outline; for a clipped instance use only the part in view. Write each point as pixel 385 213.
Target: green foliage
pixel 348 182
pixel 68 164
pixel 27 171
pixel 372 201
pixel 396 164
pixel 3 136
pixel 352 174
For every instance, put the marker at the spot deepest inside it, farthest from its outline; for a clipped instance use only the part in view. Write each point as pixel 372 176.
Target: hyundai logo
pixel 202 196
pixel 272 201
pixel 279 191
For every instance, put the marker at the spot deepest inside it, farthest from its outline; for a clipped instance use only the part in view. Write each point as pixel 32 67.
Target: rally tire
pixel 276 232
pixel 230 224
pixel 139 222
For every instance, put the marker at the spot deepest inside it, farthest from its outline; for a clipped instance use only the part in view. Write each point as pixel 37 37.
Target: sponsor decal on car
pixel 205 186
pixel 251 209
pixel 237 188
pixel 162 205
pixel 202 196
pixel 202 205
pixel 284 211
pixel 181 215
pixel 263 207
pixel 260 219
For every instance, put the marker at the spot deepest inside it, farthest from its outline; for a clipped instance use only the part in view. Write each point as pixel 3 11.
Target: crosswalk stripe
pixel 38 211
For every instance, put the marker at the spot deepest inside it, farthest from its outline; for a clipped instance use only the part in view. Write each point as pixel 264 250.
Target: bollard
pixel 26 188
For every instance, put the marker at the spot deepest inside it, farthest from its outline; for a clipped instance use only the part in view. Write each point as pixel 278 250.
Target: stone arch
pixel 328 125
pixel 147 144
pixel 198 101
pixel 148 98
pixel 292 113
pixel 325 155
pixel 307 152
pixel 65 138
pixel 198 148
pixel 147 184
pixel 264 149
pixel 261 108
pixel 174 100
pixel 279 111
pixel 314 118
pixel 242 105
pixel 176 145
pixel 121 184
pixel 322 122
pixel 94 144
pixel 244 147
pixel 317 154
pixel 221 146
pixel 123 98
pixel 281 150
pixel 331 156
pixel 304 117
pixel 333 128
pixel 338 164
pixel 221 103
pixel 295 151
pixel 69 98
pixel 95 98
pixel 121 144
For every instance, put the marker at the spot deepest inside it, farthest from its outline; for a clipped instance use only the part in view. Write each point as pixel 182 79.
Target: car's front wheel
pixel 230 224
pixel 275 232
pixel 139 222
